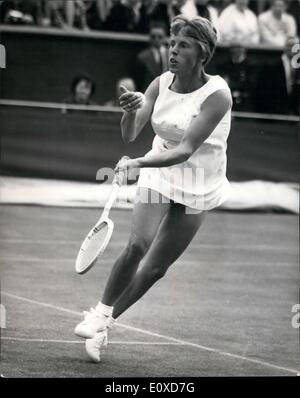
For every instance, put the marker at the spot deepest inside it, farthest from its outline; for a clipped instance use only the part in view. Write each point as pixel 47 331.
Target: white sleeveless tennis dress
pixel 200 182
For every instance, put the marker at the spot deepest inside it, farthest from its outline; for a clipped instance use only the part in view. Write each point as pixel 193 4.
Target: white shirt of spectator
pixel 237 26
pixel 189 9
pixel 214 16
pixel 275 31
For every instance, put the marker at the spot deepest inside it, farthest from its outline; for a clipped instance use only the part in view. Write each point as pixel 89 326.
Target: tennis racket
pixel 99 236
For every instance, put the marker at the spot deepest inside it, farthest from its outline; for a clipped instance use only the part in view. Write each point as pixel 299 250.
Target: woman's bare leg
pixel 175 233
pixel 146 220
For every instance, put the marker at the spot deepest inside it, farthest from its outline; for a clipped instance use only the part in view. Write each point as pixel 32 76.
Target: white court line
pixel 116 244
pixel 39 260
pixel 162 336
pixel 117 342
pixel 182 262
pixel 42 241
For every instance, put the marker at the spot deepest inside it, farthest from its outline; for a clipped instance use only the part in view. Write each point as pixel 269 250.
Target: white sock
pixel 104 309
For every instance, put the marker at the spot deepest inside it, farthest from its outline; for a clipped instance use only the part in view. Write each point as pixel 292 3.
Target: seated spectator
pixel 68 14
pixel 76 13
pixel 20 12
pixel 124 16
pixel 128 83
pixel 186 7
pixel 293 7
pixel 276 25
pixel 82 90
pixel 277 89
pixel 55 14
pixel 153 11
pixel 239 74
pixel 238 24
pixel 97 12
pixel 258 6
pixel 208 11
pixel 192 9
pixel 221 4
pixel 153 61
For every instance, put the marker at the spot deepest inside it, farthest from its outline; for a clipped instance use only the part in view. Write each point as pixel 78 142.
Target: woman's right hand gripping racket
pixel 99 236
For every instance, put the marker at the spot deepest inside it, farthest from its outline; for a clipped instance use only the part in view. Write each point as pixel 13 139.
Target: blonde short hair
pixel 201 30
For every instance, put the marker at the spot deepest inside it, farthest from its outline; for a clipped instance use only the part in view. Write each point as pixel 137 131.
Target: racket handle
pixel 112 197
pixel 119 177
pixel 116 184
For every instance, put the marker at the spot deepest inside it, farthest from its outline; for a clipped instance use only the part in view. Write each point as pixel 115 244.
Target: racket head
pixel 94 245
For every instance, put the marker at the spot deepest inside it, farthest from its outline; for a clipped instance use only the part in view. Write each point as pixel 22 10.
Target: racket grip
pixel 119 177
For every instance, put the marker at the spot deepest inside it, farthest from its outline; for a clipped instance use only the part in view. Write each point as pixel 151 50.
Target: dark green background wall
pixel 43 142
pixel 42 63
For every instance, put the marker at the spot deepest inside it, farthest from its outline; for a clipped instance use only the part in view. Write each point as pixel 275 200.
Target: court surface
pixel 223 309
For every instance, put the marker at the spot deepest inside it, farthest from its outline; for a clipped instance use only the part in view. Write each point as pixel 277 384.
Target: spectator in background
pixel 66 14
pixel 153 11
pixel 186 7
pixel 208 11
pixel 126 82
pixel 55 14
pixel 76 13
pixel 97 12
pixel 20 12
pixel 220 5
pixel 239 74
pixel 82 90
pixel 277 89
pixel 153 61
pixel 171 9
pixel 194 8
pixel 238 24
pixel 276 25
pixel 293 7
pixel 124 16
pixel 257 6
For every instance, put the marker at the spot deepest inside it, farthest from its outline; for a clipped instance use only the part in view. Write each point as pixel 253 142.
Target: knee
pixel 156 272
pixel 137 247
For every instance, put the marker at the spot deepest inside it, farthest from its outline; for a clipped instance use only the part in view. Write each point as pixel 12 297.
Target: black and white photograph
pixel 149 191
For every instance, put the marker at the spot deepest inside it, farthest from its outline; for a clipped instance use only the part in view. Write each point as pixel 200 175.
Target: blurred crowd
pixel 267 88
pixel 269 22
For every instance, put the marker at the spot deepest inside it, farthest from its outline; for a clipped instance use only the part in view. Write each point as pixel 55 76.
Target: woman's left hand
pixel 127 165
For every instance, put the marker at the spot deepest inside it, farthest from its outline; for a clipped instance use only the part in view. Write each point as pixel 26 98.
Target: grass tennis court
pixel 230 315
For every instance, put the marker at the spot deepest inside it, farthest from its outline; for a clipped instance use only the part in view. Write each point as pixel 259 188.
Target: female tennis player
pixel 183 176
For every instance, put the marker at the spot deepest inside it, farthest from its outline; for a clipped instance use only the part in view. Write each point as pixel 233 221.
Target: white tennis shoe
pixel 94 322
pixel 93 346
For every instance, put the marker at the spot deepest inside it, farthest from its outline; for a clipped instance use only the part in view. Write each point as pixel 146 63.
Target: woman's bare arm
pixel 134 119
pixel 213 110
